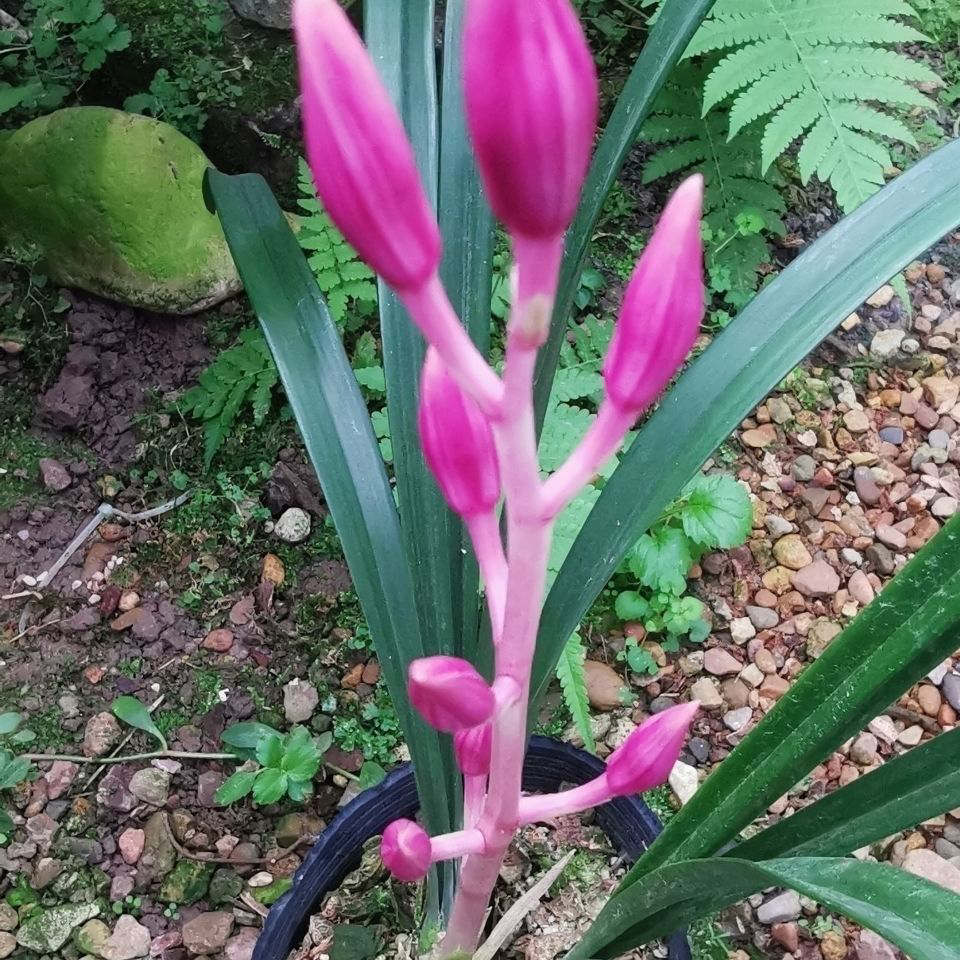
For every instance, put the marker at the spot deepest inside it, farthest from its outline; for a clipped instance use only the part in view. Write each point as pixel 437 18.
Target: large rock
pixel 268 13
pixel 48 930
pixel 114 202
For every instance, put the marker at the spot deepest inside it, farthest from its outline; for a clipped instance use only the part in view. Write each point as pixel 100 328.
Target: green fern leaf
pixel 573 683
pixel 789 122
pixel 577 383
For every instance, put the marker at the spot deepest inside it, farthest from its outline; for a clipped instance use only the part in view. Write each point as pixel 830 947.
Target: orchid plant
pixel 529 102
pixel 532 103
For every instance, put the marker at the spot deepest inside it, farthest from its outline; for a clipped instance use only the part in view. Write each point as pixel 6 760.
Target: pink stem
pixel 484 532
pixel 528 539
pixel 474 793
pixel 601 442
pixel 451 846
pixel 432 312
pixel 592 794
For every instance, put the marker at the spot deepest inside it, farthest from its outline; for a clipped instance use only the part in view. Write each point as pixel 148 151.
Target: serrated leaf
pixel 270 750
pixel 573 683
pixel 371 774
pixel 132 712
pixel 269 786
pixel 716 511
pixel 300 758
pixel 236 787
pixel 661 559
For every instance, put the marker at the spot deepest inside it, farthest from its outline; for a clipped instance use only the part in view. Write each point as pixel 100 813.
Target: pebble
pixel 760 437
pixel 856 421
pixel 864 749
pixel 150 785
pixel 742 630
pixel 54 475
pixel 950 688
pixel 605 687
pixel 101 734
pixel 60 778
pixel 911 736
pixel 293 525
pixel 891 536
pixel 892 434
pixel 881 559
pixel 821 634
pixel 684 781
pixel 8 943
pixel 706 692
pixel 219 641
pixel 737 719
pixel 886 343
pixel 780 909
pixel 208 932
pixel 791 552
pixel 926 864
pixel 945 507
pixel 871 946
pixel 8 917
pixel 804 467
pixel 763 618
pixel 819 579
pixel 720 663
pixel 130 844
pixel 300 699
pixel 929 699
pixel 883 728
pixel 866 486
pixel 130 940
pixel 860 587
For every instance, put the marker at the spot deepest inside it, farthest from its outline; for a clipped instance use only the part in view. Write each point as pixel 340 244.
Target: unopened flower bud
pixel 362 162
pixel 531 95
pixel 449 693
pixel 405 850
pixel 645 759
pixel 664 304
pixel 473 748
pixel 457 442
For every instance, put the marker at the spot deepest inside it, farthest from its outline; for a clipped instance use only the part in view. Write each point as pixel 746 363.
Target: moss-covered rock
pixel 114 202
pixel 49 930
pixel 187 883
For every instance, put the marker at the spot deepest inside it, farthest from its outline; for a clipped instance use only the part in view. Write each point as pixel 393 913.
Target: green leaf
pixel 661 559
pixel 919 917
pixel 761 346
pixel 270 751
pixel 335 426
pixel 132 712
pixel 13 770
pixel 235 787
pixel 916 786
pixel 270 786
pixel 371 774
pixel 301 758
pixel 882 653
pixel 6 825
pixel 353 942
pixel 630 605
pixel 573 683
pixel 9 723
pixel 676 24
pixel 716 511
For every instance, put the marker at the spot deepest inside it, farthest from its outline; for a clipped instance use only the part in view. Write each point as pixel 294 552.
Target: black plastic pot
pixel 628 822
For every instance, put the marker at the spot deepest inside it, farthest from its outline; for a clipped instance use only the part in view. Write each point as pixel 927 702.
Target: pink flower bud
pixel 405 850
pixel 664 304
pixel 645 759
pixel 457 442
pixel 473 748
pixel 449 693
pixel 362 162
pixel 531 94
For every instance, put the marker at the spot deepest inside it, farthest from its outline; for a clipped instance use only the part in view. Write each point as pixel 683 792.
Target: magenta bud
pixel 531 95
pixel 664 304
pixel 405 850
pixel 457 442
pixel 449 693
pixel 645 759
pixel 473 748
pixel 362 162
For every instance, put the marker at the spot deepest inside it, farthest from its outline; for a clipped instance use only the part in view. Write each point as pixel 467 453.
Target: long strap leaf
pixel 400 37
pixel 676 24
pixel 919 917
pixel 774 333
pixel 336 431
pixel 900 637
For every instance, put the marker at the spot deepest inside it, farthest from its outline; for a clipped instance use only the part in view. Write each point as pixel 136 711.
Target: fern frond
pixel 817 69
pixel 573 684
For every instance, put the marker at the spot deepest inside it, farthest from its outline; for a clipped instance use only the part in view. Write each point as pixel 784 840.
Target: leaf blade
pixel 133 713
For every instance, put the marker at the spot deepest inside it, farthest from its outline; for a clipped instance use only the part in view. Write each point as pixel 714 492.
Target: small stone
pixel 48 930
pixel 818 579
pixel 866 486
pixel 752 674
pixel 159 854
pixel 8 917
pixel 765 660
pixel 881 559
pixel 929 866
pixel 605 687
pixel 856 421
pixel 833 945
pixel 821 634
pixel 891 536
pixel 864 750
pixel 950 688
pixel 911 736
pixel 151 785
pixel 242 945
pixel 8 943
pixel 939 439
pixel 871 946
pixel 54 475
pixel 941 392
pixel 45 871
pixel 926 417
pixel 101 735
pixel 945 507
pixel 774 687
pixel 883 728
pixel 129 940
pixel 760 437
pixel 208 932
pixel 778 580
pixel 763 618
pixel 720 663
pixel 684 781
pixel 787 935
pixel 791 552
pixel 780 411
pixel 929 699
pixel 892 434
pixel 208 783
pixel 219 641
pixel 737 719
pixel 881 297
pixel 92 937
pixel 300 699
pixel 804 467
pixel 293 525
pixel 780 909
pixel 131 843
pixel 187 882
pixel 225 885
pixel 129 599
pixel 886 343
pixel 60 778
pixel 705 691
pixel 860 587
pixel 742 630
